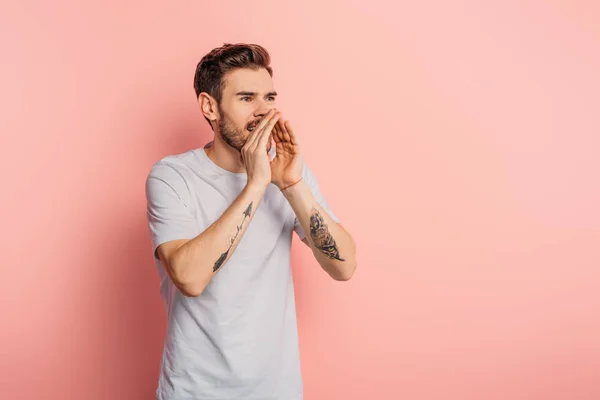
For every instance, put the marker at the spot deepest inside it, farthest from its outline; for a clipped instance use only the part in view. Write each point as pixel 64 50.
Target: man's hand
pixel 286 167
pixel 254 156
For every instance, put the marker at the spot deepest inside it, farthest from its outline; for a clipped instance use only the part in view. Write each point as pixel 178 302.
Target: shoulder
pixel 164 169
pixel 174 167
pixel 169 173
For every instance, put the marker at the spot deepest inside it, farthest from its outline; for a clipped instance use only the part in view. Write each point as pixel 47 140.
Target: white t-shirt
pixel 239 338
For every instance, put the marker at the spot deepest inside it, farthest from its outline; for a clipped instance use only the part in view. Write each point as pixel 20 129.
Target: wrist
pixel 295 190
pixel 256 187
pixel 286 185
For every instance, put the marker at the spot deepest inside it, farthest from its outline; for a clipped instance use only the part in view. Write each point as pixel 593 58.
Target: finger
pixel 290 132
pixel 285 134
pixel 266 133
pixel 265 120
pixel 251 139
pixel 280 128
pixel 257 129
pixel 277 132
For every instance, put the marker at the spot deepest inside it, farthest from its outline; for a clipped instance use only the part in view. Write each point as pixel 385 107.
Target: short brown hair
pixel 221 60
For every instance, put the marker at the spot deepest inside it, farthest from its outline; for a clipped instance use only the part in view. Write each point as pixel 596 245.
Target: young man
pixel 221 219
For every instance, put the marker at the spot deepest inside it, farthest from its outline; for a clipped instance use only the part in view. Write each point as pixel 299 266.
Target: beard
pixel 233 135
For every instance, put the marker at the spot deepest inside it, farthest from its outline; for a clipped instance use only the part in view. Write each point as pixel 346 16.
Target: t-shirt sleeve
pixel 168 212
pixel 311 181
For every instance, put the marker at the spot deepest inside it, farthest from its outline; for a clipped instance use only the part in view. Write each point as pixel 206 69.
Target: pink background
pixel 459 144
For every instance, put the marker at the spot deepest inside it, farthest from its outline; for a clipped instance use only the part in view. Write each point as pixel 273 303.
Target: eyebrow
pixel 254 94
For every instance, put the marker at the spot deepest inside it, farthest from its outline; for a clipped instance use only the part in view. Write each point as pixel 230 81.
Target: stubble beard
pixel 234 136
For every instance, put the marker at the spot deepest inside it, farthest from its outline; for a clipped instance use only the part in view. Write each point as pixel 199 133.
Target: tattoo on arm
pixel 321 237
pixel 223 257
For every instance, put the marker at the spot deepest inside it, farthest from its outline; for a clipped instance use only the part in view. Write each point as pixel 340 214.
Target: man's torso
pixel 238 339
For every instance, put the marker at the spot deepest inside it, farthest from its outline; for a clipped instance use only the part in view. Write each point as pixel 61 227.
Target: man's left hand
pixel 286 167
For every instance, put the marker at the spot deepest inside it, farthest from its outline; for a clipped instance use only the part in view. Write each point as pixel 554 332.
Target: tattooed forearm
pixel 321 237
pixel 223 257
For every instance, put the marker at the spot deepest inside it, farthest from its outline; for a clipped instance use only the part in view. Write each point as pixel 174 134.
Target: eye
pixel 272 98
pixel 246 97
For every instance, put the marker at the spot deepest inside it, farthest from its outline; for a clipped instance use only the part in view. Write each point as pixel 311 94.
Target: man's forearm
pixel 198 260
pixel 332 246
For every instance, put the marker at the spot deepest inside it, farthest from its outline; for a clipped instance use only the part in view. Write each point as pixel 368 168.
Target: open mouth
pixel 252 127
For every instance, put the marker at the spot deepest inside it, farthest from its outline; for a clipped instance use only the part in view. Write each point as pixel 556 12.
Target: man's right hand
pixel 254 156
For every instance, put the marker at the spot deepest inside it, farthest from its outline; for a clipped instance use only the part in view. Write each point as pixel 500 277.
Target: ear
pixel 208 106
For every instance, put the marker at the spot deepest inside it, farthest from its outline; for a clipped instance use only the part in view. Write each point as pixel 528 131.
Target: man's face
pixel 247 96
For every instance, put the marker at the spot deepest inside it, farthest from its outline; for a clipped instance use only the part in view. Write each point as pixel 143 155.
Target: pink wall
pixel 460 144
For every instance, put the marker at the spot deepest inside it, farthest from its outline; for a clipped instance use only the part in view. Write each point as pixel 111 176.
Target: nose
pixel 263 108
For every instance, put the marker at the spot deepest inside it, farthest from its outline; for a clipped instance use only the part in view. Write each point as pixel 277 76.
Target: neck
pixel 224 155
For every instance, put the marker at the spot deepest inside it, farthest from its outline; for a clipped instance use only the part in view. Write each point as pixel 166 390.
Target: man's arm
pixel 332 245
pixel 192 263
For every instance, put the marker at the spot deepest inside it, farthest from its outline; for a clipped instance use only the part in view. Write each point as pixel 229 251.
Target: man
pixel 221 219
